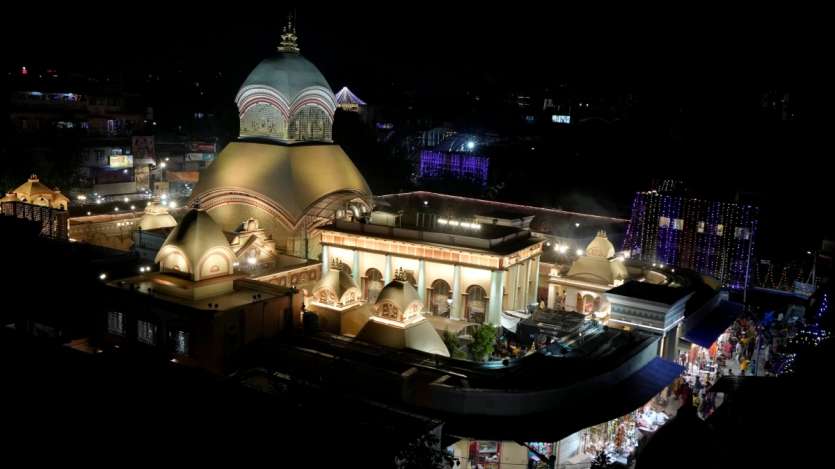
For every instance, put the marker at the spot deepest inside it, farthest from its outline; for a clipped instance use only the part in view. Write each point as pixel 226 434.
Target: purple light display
pixel 710 237
pixel 440 163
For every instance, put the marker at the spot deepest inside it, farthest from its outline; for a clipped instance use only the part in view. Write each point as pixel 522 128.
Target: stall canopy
pixel 714 324
pixel 578 409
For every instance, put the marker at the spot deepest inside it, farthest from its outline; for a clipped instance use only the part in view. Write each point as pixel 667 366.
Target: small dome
pixel 197 247
pixel 156 216
pixel 600 246
pixel 336 288
pixel 398 301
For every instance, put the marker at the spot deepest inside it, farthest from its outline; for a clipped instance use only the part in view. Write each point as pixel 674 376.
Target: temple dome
pixel 336 288
pixel 287 73
pixel 33 191
pixel 600 246
pixel 599 264
pixel 197 248
pixel 286 98
pixel 156 216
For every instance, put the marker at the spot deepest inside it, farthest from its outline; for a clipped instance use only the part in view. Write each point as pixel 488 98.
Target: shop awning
pixel 580 409
pixel 714 324
pixel 647 382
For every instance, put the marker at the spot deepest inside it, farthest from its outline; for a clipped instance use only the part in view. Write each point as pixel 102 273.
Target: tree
pixel 453 344
pixel 484 339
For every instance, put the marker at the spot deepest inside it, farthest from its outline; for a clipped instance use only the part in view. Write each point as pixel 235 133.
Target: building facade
pixel 711 237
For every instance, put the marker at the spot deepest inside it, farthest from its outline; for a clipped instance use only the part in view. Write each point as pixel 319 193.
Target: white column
pixel 325 259
pixel 387 273
pixel 455 312
pixel 421 281
pixel 355 268
pixel 526 286
pixel 513 281
pixel 535 292
pixel 552 296
pixel 494 312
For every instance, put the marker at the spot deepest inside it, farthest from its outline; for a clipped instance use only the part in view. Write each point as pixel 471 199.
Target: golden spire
pixel 289 40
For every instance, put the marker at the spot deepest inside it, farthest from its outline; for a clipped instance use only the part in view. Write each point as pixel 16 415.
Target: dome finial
pixel 289 40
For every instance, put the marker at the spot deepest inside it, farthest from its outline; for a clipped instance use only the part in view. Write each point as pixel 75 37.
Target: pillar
pixel 355 267
pixel 670 345
pixel 494 312
pixel 325 259
pixel 387 273
pixel 534 295
pixel 552 296
pixel 455 312
pixel 421 281
pixel 513 282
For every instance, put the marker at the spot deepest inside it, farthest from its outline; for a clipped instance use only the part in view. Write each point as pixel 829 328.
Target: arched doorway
pixel 476 306
pixel 440 292
pixel 373 284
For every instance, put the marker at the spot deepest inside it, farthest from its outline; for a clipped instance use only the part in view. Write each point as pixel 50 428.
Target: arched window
pixel 476 306
pixel 438 296
pixel 373 284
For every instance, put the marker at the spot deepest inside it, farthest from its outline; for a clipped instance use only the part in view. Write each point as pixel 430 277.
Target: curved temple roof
pixel 294 177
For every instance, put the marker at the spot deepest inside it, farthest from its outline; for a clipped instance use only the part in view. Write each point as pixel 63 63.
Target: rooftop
pixel 546 220
pixel 242 295
pixel 491 239
pixel 647 291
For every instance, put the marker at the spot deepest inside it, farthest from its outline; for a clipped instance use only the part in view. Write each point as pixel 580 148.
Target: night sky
pixel 699 78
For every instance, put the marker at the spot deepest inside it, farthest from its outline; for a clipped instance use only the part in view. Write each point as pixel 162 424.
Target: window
pixel 664 222
pixel 181 339
pixel 441 292
pixel 146 332
pixel 720 230
pixel 678 224
pixel 700 227
pixel 116 323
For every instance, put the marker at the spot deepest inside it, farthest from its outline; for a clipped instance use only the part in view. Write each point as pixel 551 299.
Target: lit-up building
pixel 435 163
pixel 460 269
pixel 284 170
pixel 35 201
pixel 348 101
pixel 596 270
pixel 197 309
pixel 711 237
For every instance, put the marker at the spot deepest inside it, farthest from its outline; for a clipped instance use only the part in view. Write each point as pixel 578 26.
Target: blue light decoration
pixel 809 337
pixel 711 237
pixel 441 163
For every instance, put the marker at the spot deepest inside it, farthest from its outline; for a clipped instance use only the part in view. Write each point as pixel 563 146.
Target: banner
pixel 121 161
pixel 143 147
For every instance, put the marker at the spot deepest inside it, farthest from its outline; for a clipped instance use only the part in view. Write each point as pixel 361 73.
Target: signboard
pixel 199 147
pixel 183 176
pixel 143 147
pixel 560 119
pixel 142 175
pixel 121 161
pixel 200 156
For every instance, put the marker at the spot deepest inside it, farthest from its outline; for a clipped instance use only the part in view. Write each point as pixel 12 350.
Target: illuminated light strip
pixel 312 101
pixel 248 103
